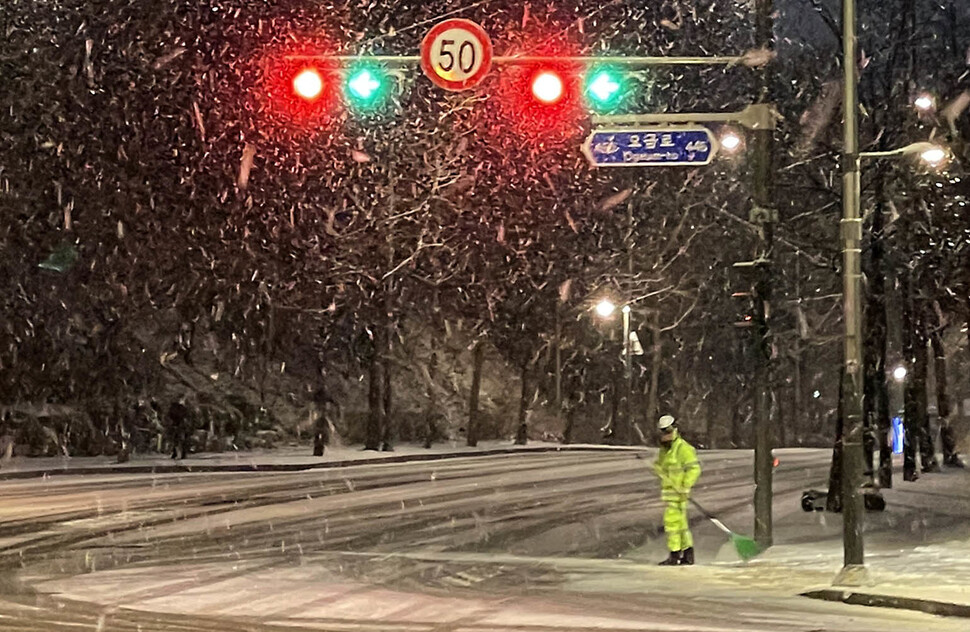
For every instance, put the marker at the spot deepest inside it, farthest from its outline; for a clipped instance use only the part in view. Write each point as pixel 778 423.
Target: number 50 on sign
pixel 456 54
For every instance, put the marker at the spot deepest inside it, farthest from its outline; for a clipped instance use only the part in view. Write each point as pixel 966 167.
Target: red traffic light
pixel 308 85
pixel 547 87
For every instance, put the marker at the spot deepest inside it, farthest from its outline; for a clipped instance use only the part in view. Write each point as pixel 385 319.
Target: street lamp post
pixel 605 310
pixel 628 375
pixel 853 511
pixel 853 571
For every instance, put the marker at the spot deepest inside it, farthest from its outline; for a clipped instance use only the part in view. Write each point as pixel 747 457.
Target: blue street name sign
pixel 659 146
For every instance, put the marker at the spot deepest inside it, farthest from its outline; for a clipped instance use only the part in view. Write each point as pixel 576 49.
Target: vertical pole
pixel 557 360
pixel 387 401
pixel 627 376
pixel 762 199
pixel 853 571
pixel 627 349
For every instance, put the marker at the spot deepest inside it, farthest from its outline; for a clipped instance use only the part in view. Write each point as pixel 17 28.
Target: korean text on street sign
pixel 456 54
pixel 659 146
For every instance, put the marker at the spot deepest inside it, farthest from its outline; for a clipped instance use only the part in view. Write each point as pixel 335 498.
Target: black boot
pixel 953 461
pixel 687 557
pixel 672 560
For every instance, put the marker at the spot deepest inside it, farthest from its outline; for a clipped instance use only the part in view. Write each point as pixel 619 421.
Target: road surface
pixel 552 542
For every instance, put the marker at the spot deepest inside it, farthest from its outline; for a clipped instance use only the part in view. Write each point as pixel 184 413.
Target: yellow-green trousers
pixel 676 526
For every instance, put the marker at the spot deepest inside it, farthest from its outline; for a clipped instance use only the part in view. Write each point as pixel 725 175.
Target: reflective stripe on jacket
pixel 678 469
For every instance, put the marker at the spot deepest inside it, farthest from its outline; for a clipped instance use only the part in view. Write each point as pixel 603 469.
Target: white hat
pixel 665 423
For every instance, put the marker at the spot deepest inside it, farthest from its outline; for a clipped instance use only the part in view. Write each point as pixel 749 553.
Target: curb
pixel 177 468
pixel 854 598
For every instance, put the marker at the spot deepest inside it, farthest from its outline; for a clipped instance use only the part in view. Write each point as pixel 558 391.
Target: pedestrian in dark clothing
pixel 178 419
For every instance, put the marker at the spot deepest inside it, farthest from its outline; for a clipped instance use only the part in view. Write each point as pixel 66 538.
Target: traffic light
pixel 547 87
pixel 308 84
pixel 604 88
pixel 541 100
pixel 365 87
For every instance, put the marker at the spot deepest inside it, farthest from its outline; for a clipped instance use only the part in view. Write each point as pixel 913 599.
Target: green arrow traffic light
pixel 366 86
pixel 604 88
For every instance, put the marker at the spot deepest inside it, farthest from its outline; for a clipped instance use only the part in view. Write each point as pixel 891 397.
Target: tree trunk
pixel 431 431
pixel 567 433
pixel 798 415
pixel 833 501
pixel 557 363
pixel 737 418
pixel 616 380
pixel 478 362
pixel 878 328
pixel 387 429
pixel 947 434
pixel 525 400
pixel 910 412
pixel 782 416
pixel 387 288
pixel 927 450
pixel 375 403
pixel 122 415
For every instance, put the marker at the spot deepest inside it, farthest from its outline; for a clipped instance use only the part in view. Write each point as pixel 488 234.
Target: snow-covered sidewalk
pixel 917 551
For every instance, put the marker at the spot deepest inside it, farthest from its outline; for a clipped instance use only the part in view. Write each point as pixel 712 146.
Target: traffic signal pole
pixel 763 140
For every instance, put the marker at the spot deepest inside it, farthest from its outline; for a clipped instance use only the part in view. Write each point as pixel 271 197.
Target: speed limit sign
pixel 456 54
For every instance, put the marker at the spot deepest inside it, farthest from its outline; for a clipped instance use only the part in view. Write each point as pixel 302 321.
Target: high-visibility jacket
pixel 678 469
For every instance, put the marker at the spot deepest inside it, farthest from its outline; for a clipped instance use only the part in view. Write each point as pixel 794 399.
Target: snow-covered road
pixel 553 542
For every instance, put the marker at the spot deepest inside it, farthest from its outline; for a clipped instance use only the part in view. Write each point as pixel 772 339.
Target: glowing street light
pixel 731 141
pixel 899 373
pixel 925 102
pixel 933 156
pixel 605 308
pixel 308 84
pixel 930 153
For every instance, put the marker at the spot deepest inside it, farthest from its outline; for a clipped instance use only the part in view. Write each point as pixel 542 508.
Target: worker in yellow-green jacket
pixel 678 470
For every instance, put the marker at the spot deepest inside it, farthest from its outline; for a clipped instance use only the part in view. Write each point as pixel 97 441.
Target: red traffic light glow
pixel 547 87
pixel 308 84
pixel 298 91
pixel 542 99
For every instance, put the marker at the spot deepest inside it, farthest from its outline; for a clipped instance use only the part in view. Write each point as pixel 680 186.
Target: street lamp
pixel 730 141
pixel 933 156
pixel 605 308
pixel 925 102
pixel 930 153
pixel 853 511
pixel 899 373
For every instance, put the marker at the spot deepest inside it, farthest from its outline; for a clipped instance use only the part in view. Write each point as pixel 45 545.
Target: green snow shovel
pixel 746 547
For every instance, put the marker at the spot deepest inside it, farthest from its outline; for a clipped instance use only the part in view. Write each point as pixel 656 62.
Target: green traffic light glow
pixel 604 87
pixel 365 85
